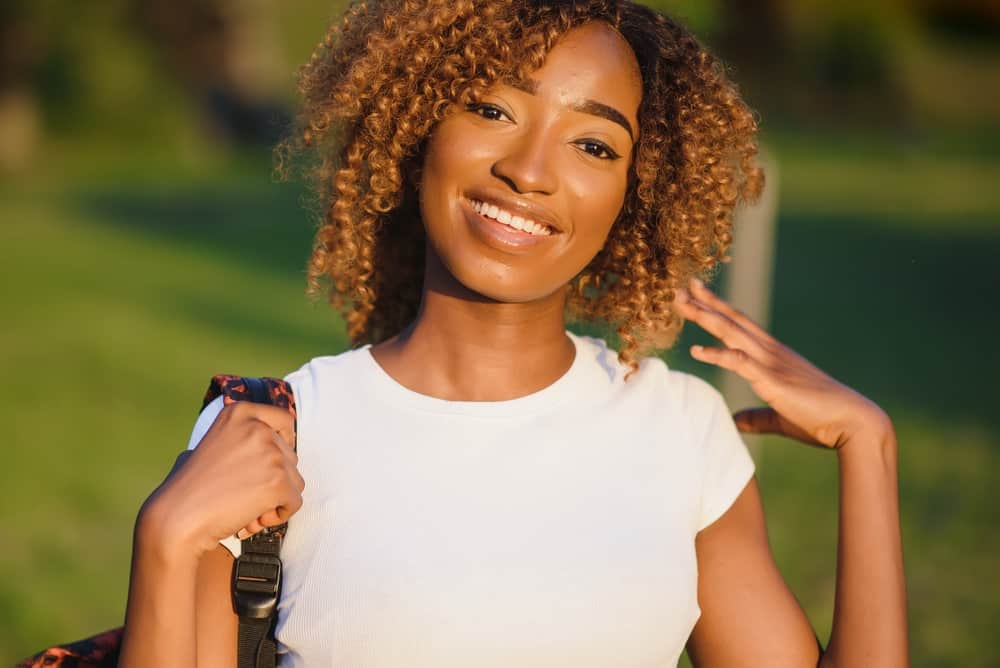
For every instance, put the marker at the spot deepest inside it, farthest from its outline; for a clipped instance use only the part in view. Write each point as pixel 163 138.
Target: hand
pixel 805 403
pixel 242 476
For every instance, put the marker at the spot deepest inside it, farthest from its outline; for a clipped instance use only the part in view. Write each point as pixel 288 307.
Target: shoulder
pixel 679 402
pixel 693 401
pixel 327 380
pixel 320 372
pixel 693 398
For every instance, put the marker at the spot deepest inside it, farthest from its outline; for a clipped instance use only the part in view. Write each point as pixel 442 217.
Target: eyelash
pixel 482 106
pixel 600 150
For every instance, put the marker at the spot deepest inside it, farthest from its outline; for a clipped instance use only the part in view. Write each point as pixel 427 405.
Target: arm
pixel 178 611
pixel 160 614
pixel 216 623
pixel 749 617
pixel 869 620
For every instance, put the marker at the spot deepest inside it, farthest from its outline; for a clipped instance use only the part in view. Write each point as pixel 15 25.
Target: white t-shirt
pixel 555 529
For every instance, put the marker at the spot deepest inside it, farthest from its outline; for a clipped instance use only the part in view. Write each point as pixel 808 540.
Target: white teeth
pixel 509 219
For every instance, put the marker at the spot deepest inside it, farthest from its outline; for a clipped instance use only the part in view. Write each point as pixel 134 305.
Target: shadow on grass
pixel 260 229
pixel 901 312
pixel 261 225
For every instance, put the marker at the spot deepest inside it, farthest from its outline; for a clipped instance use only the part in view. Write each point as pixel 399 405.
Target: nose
pixel 526 165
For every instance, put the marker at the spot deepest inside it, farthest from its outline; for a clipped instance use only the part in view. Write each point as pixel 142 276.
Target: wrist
pixel 864 420
pixel 161 534
pixel 872 432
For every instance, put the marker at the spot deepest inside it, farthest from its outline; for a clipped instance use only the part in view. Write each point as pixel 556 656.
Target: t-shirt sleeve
pixel 727 465
pixel 205 421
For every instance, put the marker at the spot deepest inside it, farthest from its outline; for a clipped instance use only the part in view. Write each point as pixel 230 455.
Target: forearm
pixel 870 621
pixel 160 615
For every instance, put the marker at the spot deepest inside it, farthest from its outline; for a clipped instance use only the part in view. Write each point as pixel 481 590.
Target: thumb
pixel 765 420
pixel 758 421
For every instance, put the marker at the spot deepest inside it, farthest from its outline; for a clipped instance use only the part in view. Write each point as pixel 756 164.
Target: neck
pixel 463 346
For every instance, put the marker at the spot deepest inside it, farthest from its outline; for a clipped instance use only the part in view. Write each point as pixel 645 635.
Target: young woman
pixel 476 486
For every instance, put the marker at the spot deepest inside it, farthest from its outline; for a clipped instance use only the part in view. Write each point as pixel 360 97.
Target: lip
pixel 519 207
pixel 499 236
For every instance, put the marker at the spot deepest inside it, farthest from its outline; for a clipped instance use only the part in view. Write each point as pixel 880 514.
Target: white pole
pixel 748 277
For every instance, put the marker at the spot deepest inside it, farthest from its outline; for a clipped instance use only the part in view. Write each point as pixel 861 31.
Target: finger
pixel 285 448
pixel 298 480
pixel 290 501
pixel 758 421
pixel 271 518
pixel 286 511
pixel 252 527
pixel 769 421
pixel 278 419
pixel 731 359
pixel 703 294
pixel 716 323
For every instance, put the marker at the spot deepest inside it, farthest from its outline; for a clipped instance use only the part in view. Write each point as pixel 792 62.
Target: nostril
pixel 506 179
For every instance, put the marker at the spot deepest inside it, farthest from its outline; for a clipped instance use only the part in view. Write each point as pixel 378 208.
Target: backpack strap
pixel 256 580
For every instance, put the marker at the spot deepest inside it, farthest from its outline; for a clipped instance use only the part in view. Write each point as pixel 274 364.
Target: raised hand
pixel 804 403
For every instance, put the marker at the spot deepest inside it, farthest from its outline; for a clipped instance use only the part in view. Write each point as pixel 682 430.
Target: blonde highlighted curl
pixel 389 71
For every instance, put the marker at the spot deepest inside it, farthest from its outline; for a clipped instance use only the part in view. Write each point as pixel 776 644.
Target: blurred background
pixel 145 246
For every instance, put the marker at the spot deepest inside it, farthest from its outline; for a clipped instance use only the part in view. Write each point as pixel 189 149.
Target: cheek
pixel 449 161
pixel 436 182
pixel 597 203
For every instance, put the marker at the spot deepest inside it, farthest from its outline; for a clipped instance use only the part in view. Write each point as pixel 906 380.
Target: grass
pixel 123 295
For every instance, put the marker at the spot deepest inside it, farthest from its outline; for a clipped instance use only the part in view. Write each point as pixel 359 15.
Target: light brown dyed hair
pixel 383 76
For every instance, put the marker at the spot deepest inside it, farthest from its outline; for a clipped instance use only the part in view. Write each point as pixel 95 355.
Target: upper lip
pixel 518 207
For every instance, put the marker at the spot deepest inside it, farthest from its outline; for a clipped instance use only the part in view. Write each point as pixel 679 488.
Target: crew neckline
pixel 388 389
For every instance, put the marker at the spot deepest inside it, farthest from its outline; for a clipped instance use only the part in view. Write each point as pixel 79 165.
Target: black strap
pixel 256 578
pixel 256 589
pixel 256 646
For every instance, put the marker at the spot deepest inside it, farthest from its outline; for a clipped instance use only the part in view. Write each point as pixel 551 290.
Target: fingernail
pixel 242 534
pixel 696 349
pixel 697 282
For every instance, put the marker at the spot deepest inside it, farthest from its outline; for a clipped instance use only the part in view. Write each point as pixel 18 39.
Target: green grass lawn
pixel 122 296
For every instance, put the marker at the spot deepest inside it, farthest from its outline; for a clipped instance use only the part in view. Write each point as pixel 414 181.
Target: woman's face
pixel 519 192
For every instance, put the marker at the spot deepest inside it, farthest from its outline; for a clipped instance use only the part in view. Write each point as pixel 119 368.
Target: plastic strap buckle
pixel 256 584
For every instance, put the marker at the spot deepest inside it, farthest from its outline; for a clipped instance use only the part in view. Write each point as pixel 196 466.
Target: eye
pixel 597 149
pixel 488 111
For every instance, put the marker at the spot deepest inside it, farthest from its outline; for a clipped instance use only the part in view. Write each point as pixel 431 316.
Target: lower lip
pixel 500 236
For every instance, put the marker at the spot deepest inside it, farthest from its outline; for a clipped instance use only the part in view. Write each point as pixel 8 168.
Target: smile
pixel 509 219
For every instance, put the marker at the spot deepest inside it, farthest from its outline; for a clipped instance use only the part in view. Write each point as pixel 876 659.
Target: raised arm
pixel 243 477
pixel 748 615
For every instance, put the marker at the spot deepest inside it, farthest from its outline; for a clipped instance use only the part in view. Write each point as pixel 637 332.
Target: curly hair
pixel 389 71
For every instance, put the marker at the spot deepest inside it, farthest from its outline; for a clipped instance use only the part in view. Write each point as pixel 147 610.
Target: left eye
pixel 598 150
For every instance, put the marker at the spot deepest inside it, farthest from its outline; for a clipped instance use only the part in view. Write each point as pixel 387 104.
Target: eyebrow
pixel 591 107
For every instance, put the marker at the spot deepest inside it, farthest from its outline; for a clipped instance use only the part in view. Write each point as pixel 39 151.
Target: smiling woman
pixel 535 152
pixel 474 485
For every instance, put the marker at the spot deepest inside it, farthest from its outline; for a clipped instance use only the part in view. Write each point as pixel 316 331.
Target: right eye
pixel 488 111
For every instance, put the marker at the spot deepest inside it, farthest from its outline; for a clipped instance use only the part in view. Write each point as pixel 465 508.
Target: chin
pixel 498 288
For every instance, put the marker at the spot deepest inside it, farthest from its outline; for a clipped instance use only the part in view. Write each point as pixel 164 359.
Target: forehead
pixel 592 61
